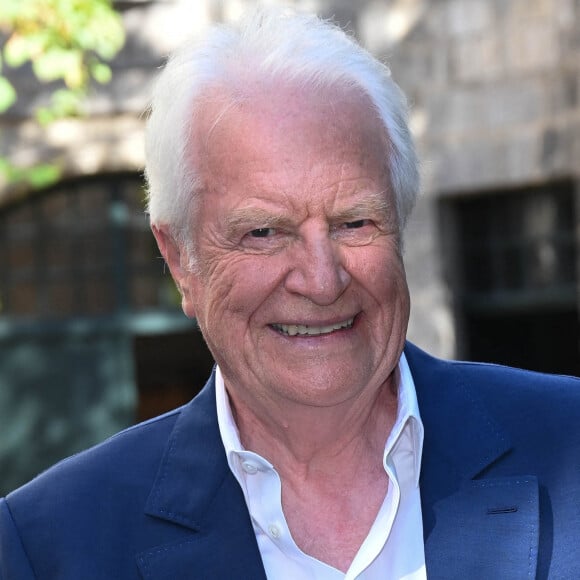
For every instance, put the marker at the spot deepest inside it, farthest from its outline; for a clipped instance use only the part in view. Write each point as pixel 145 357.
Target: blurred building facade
pixel 91 335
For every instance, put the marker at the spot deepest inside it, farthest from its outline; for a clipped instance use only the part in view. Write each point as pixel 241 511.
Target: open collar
pixel 474 526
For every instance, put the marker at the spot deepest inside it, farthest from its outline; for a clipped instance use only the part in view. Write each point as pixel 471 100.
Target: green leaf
pixel 58 63
pixel 10 9
pixel 16 51
pixel 37 176
pixel 44 116
pixel 66 102
pixel 101 72
pixel 7 94
pixel 102 30
pixel 42 175
pixel 5 168
pixel 64 40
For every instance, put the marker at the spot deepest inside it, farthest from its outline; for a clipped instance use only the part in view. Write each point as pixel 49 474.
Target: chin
pixel 322 391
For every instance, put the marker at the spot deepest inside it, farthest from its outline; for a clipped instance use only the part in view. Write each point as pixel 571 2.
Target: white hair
pixel 267 45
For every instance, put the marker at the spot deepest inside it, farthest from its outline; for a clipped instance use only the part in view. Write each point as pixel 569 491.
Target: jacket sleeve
pixel 14 563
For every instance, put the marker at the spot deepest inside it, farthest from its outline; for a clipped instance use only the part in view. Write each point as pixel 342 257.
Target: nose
pixel 317 271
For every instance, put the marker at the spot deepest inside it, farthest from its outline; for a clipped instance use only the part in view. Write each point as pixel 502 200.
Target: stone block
pixel 521 150
pixel 469 164
pixel 574 157
pixel 566 13
pixel 514 103
pixel 431 323
pixel 521 11
pixel 382 25
pixel 564 93
pixel 420 67
pixel 435 21
pixel 77 146
pixel 451 111
pixel 478 58
pixel 488 162
pixel 532 46
pixel 468 17
pixel 486 108
pixel 557 149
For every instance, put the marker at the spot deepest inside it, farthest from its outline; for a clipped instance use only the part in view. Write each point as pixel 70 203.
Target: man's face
pixel 301 292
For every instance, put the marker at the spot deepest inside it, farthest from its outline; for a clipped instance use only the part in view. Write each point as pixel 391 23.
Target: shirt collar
pixel 227 425
pixel 408 417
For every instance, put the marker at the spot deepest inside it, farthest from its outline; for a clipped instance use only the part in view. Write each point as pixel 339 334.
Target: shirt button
pixel 249 467
pixel 274 531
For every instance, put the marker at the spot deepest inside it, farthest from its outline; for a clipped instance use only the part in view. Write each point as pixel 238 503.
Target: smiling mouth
pixel 304 330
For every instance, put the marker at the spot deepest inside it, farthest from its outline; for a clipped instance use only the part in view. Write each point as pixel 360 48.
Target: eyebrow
pixel 373 205
pixel 243 217
pixel 376 204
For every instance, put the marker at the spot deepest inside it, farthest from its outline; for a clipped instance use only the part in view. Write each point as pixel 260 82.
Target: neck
pixel 311 440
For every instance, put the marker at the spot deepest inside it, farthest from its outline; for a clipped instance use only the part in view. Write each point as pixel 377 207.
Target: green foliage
pixel 7 94
pixel 66 41
pixel 38 176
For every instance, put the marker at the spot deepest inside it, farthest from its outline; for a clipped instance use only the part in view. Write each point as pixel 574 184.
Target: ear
pixel 177 260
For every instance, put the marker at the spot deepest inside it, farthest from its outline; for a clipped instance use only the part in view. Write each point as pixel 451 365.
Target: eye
pixel 264 240
pixel 262 232
pixel 356 232
pixel 357 224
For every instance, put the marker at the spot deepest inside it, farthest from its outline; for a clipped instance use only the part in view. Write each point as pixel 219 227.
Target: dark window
pixel 169 369
pixel 513 263
pixel 81 248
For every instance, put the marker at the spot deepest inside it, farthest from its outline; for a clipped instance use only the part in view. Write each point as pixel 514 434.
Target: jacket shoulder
pixel 85 505
pixel 136 451
pixel 488 376
pixel 537 412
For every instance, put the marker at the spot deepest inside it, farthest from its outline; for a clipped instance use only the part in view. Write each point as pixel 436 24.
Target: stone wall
pixel 494 86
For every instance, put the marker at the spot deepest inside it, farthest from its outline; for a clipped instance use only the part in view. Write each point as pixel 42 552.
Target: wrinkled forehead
pixel 293 111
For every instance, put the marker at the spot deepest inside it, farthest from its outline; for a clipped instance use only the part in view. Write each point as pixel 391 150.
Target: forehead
pixel 289 150
pixel 282 120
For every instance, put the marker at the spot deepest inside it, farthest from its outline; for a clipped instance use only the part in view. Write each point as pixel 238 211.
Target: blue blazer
pixel 500 490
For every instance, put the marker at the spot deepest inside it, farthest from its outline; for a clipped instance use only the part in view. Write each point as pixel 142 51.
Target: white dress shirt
pixel 393 549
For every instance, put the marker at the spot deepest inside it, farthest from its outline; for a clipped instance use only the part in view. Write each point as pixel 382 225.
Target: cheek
pixel 385 286
pixel 382 275
pixel 396 292
pixel 238 287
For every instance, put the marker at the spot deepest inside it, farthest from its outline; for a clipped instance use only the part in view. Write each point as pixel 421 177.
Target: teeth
pixel 301 329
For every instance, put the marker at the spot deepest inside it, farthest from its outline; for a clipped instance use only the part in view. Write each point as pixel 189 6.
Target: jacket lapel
pixel 475 526
pixel 196 490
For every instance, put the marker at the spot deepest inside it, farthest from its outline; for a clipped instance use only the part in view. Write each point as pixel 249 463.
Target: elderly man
pixel 281 175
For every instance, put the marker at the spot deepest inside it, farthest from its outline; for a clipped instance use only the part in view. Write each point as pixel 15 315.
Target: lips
pixel 306 330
